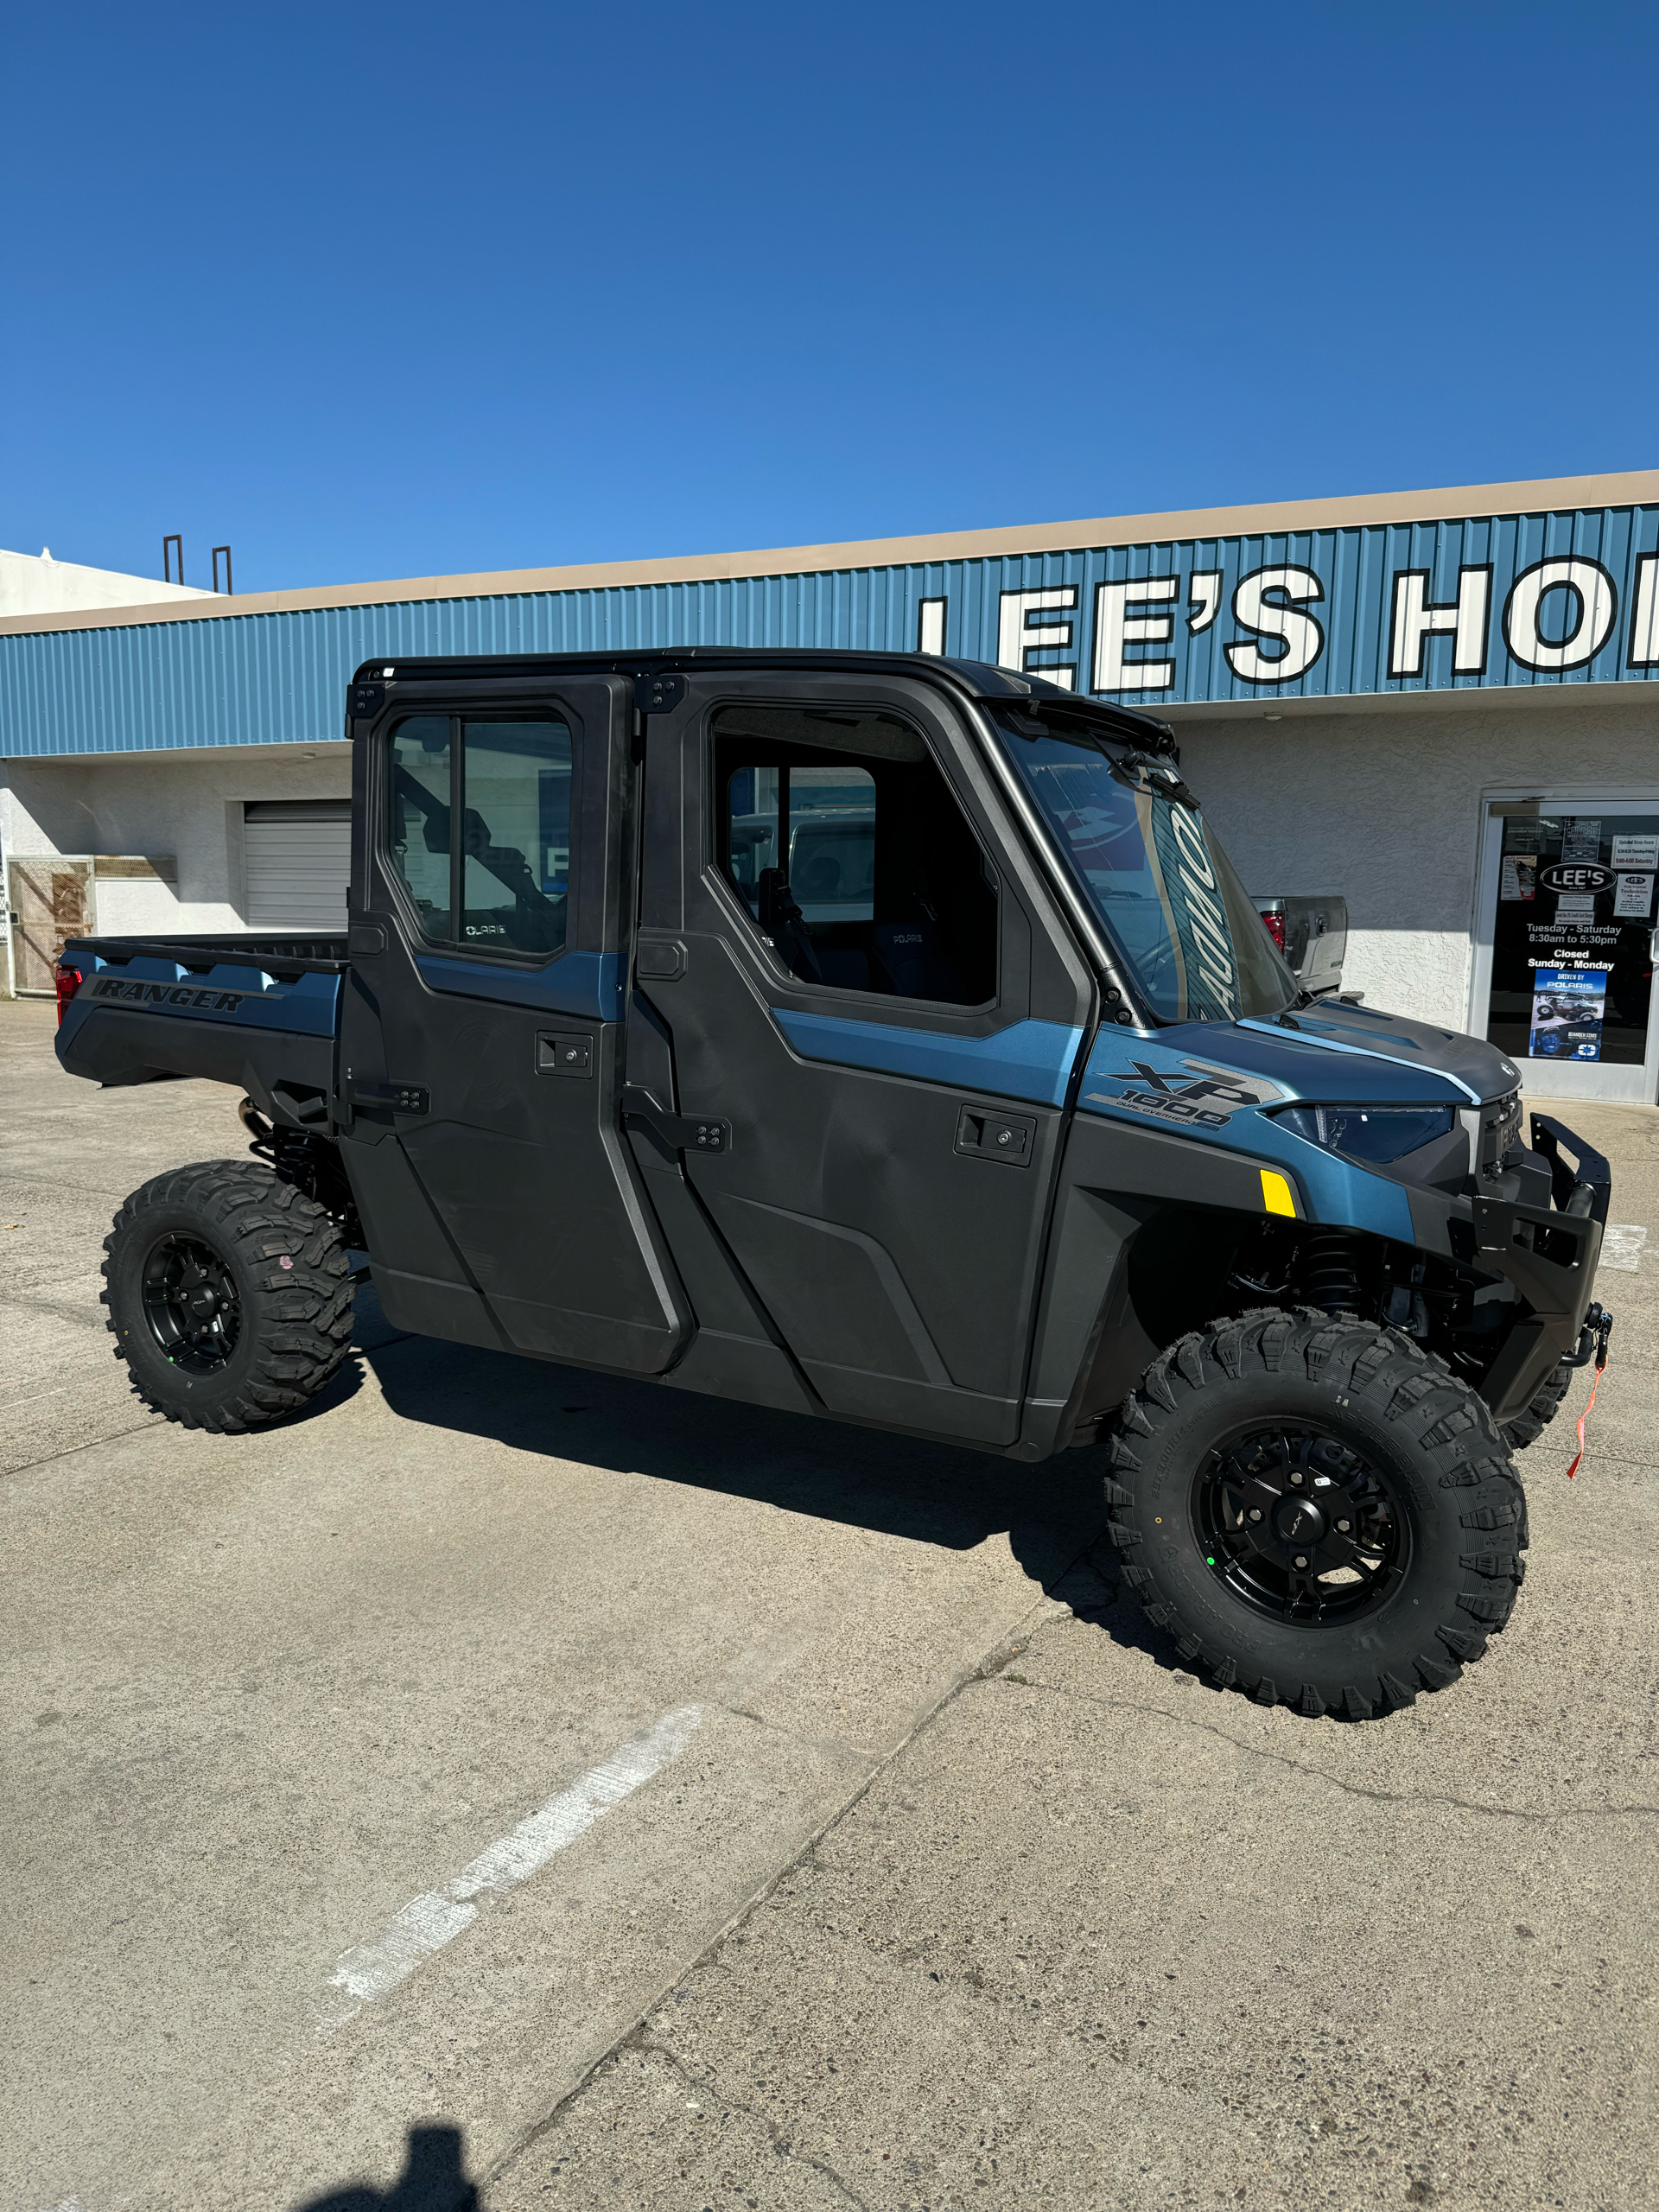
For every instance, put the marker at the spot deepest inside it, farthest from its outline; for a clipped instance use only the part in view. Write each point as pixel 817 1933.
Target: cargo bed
pixel 260 1013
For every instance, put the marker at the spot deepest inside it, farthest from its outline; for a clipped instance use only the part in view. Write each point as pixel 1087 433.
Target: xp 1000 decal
pixel 1205 1097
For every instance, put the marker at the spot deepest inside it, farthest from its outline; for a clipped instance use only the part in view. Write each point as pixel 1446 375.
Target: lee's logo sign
pixel 1556 616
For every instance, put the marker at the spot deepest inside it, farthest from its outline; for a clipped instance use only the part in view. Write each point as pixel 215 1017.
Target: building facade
pixel 1439 705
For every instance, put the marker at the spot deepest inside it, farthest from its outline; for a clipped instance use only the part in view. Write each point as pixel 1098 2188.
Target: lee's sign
pixel 1275 623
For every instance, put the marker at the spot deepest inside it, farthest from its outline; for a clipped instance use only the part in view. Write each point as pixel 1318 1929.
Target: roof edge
pixel 1630 487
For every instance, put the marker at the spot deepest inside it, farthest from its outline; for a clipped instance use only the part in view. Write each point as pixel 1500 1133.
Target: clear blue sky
pixel 375 291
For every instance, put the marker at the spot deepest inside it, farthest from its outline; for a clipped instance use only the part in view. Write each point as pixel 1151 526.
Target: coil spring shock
pixel 1326 1274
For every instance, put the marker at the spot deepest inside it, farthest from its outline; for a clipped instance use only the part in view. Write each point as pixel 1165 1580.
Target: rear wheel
pixel 229 1294
pixel 1318 1509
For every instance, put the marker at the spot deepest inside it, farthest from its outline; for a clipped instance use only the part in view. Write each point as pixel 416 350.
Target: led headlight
pixel 1378 1134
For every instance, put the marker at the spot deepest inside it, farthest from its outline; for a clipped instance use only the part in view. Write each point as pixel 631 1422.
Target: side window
pixel 420 763
pixel 502 882
pixel 847 846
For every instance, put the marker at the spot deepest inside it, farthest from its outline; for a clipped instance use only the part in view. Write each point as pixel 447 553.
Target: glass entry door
pixel 1564 977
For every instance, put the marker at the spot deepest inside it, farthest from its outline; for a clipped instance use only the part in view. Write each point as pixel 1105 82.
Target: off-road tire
pixel 293 1284
pixel 1527 1427
pixel 1406 1412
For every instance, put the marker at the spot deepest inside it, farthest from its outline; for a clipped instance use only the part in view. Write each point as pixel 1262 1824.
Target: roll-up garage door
pixel 297 858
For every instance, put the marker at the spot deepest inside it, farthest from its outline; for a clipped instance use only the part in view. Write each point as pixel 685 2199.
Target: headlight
pixel 1374 1133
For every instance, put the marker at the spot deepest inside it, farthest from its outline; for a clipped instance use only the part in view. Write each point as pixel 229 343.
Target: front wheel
pixel 1318 1509
pixel 229 1294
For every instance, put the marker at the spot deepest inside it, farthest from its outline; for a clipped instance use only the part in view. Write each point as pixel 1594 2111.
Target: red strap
pixel 1579 1455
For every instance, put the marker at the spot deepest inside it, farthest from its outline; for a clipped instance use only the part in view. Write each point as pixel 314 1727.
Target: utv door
pixel 847 978
pixel 482 1033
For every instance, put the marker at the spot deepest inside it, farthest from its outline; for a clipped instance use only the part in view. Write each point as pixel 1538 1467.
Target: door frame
pixel 1598 1081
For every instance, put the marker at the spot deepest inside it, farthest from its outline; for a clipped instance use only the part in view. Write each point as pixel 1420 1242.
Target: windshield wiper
pixel 1155 775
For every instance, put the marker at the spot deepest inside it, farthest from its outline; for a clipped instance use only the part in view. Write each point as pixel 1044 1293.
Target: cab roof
pixel 977 679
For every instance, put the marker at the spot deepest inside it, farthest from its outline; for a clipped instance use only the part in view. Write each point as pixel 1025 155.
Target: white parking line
pixel 430 1921
pixel 1621 1246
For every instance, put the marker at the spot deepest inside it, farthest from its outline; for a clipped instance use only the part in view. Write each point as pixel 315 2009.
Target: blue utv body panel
pixel 1273 1068
pixel 229 993
pixel 1029 1059
pixel 577 982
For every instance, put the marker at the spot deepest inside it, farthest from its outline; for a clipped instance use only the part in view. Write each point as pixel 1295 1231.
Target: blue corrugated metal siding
pixel 261 679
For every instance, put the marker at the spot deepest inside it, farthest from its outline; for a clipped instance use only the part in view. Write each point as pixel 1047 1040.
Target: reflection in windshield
pixel 1158 880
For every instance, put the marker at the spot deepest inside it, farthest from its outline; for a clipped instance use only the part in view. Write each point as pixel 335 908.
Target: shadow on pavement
pixel 1053 1514
pixel 932 1493
pixel 434 2179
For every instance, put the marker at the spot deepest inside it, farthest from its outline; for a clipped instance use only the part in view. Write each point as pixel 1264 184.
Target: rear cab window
pixel 478 830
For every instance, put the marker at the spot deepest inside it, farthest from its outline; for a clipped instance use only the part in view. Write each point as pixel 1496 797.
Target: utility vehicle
pixel 1011 1129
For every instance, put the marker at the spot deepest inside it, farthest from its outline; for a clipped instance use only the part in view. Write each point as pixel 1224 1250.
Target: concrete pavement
pixel 659 1803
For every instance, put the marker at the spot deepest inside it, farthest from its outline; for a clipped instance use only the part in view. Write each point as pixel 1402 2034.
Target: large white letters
pixel 1415 616
pixel 1203 598
pixel 1644 623
pixel 1115 628
pixel 1277 616
pixel 1017 637
pixel 1590 620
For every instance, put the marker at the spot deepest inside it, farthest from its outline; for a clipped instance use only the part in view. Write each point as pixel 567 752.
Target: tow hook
pixel 1592 1339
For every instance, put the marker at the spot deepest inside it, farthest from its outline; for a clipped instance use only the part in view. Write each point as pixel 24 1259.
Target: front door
pixel 480 1041
pixel 847 973
pixel 1564 978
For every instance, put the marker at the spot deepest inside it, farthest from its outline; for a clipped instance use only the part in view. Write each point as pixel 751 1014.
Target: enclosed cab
pixel 888 1039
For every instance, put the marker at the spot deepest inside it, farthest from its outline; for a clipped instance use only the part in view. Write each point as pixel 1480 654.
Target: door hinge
pixel 688 1133
pixel 401 1097
pixel 658 694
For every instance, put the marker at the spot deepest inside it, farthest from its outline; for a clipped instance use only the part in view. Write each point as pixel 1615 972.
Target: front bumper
pixel 1539 1222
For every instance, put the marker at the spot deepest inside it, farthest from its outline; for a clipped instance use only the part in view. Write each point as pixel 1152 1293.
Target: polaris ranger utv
pixel 887 1039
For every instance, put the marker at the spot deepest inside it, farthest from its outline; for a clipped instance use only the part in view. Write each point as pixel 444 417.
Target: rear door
pixel 481 1037
pixel 846 971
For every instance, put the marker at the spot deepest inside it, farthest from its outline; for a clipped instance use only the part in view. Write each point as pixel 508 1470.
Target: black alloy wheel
pixel 1300 1525
pixel 191 1303
pixel 229 1293
pixel 1316 1510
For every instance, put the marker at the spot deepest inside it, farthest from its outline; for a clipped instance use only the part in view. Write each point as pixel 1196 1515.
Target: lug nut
pixel 1301 1558
pixel 1295 1474
pixel 1255 1513
pixel 1344 1526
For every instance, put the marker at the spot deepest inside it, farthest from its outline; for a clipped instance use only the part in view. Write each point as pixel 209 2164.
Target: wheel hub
pixel 190 1302
pixel 1298 1524
pixel 1298 1521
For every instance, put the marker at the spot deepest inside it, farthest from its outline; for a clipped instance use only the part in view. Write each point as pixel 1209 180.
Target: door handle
pixel 676 1132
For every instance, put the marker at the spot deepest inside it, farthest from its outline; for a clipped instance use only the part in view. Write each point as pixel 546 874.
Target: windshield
pixel 1157 876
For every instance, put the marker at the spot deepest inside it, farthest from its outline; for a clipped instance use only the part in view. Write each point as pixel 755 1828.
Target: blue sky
pixel 373 291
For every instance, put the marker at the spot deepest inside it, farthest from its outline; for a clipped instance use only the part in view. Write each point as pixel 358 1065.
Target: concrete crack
pixel 707 2086
pixel 988 1664
pixel 836 1747
pixel 156 1421
pixel 1323 1774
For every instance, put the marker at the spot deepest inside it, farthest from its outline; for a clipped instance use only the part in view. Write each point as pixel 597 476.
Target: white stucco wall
pixel 1384 807
pixel 1387 808
pixel 185 805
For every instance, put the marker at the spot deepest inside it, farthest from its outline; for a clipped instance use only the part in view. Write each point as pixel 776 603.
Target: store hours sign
pixel 1507 600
